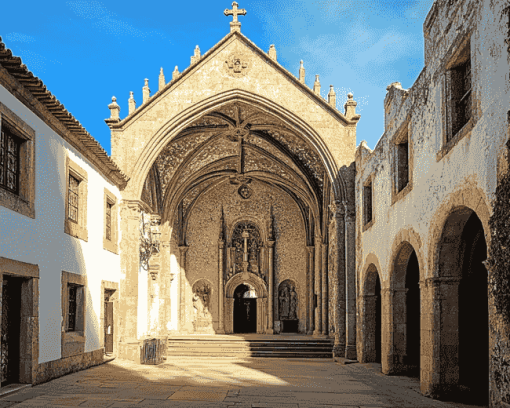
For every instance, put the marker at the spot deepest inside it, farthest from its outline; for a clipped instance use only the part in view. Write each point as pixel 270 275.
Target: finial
pixel 234 24
pixel 114 109
pixel 161 79
pixel 175 74
pixel 332 96
pixel 131 103
pixel 350 107
pixel 317 85
pixel 272 52
pixel 146 91
pixel 301 72
pixel 196 55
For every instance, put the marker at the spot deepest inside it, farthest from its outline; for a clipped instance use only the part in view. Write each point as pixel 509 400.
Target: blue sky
pixel 87 51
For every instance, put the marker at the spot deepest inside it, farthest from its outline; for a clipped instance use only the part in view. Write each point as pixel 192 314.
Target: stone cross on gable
pixel 234 24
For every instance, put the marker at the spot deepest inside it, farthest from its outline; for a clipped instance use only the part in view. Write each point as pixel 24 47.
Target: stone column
pixel 221 287
pixel 184 324
pixel 350 282
pixel 439 369
pixel 367 348
pixel 399 313
pixel 325 291
pixel 310 275
pixel 229 315
pixel 130 266
pixel 386 331
pixel 318 288
pixel 339 313
pixel 270 300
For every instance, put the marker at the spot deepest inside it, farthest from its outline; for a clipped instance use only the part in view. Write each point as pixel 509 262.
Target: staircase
pixel 249 346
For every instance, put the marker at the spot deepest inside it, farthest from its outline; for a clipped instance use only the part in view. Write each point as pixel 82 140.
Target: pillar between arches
pixel 339 292
pixel 350 281
pixel 311 288
pixel 439 354
pixel 367 347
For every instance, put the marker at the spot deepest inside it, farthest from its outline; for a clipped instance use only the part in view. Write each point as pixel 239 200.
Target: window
pixel 402 165
pixel 73 313
pixel 17 166
pixel 73 198
pixel 402 161
pixel 76 201
pixel 110 222
pixel 459 114
pixel 9 160
pixel 458 90
pixel 368 218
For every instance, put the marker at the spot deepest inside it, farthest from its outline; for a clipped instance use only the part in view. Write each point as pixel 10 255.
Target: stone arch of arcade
pixel 370 312
pixel 240 140
pixel 455 336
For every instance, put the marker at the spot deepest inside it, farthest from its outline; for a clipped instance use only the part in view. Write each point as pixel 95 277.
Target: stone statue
pixel 284 302
pixel 201 300
pixel 197 304
pixel 293 304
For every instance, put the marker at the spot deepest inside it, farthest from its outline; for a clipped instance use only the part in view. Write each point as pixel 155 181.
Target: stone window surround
pixel 404 130
pixel 73 343
pixel 369 180
pixel 77 230
pixel 111 245
pixel 29 334
pixel 24 201
pixel 113 287
pixel 454 57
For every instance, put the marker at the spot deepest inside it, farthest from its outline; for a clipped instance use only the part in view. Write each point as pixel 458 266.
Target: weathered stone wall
pixel 443 176
pixel 203 234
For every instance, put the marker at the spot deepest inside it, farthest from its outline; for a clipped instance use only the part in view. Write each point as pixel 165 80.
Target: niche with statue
pixel 287 307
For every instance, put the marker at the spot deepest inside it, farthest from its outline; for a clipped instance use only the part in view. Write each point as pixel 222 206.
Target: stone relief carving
pixel 246 245
pixel 202 292
pixel 237 65
pixel 245 191
pixel 287 300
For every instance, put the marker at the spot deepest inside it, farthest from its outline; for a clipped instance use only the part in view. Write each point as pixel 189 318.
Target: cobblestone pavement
pixel 215 382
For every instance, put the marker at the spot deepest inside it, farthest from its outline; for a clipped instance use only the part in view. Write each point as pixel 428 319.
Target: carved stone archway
pixel 260 288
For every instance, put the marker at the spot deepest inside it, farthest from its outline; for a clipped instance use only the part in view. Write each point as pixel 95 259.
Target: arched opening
pixel 474 314
pixel 413 316
pixel 464 319
pixel 371 330
pixel 406 312
pixel 245 309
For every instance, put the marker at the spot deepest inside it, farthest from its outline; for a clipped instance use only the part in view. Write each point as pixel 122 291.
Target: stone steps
pixel 273 347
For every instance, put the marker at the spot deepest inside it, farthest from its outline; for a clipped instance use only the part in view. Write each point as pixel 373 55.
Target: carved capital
pixel 183 249
pixel 270 244
pixel 221 244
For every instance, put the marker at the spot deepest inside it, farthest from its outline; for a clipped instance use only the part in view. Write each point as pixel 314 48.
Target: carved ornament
pixel 237 65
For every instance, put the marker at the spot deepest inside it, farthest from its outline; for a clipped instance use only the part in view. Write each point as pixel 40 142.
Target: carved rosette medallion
pixel 237 65
pixel 244 191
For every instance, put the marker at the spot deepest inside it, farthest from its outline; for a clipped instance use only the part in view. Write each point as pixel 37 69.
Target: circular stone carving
pixel 244 191
pixel 237 65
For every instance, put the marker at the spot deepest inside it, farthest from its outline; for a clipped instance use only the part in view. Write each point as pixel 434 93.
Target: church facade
pixel 236 200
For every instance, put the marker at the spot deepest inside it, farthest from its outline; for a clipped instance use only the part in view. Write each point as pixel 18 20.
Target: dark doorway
pixel 378 320
pixel 413 316
pixel 245 310
pixel 108 322
pixel 474 315
pixel 11 325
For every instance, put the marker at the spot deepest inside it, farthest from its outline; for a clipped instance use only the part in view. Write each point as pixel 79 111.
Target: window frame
pixel 112 244
pixel 22 201
pixel 458 55
pixel 73 341
pixel 76 229
pixel 404 133
pixel 369 182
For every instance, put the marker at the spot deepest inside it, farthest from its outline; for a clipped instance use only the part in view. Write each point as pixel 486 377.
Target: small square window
pixel 73 313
